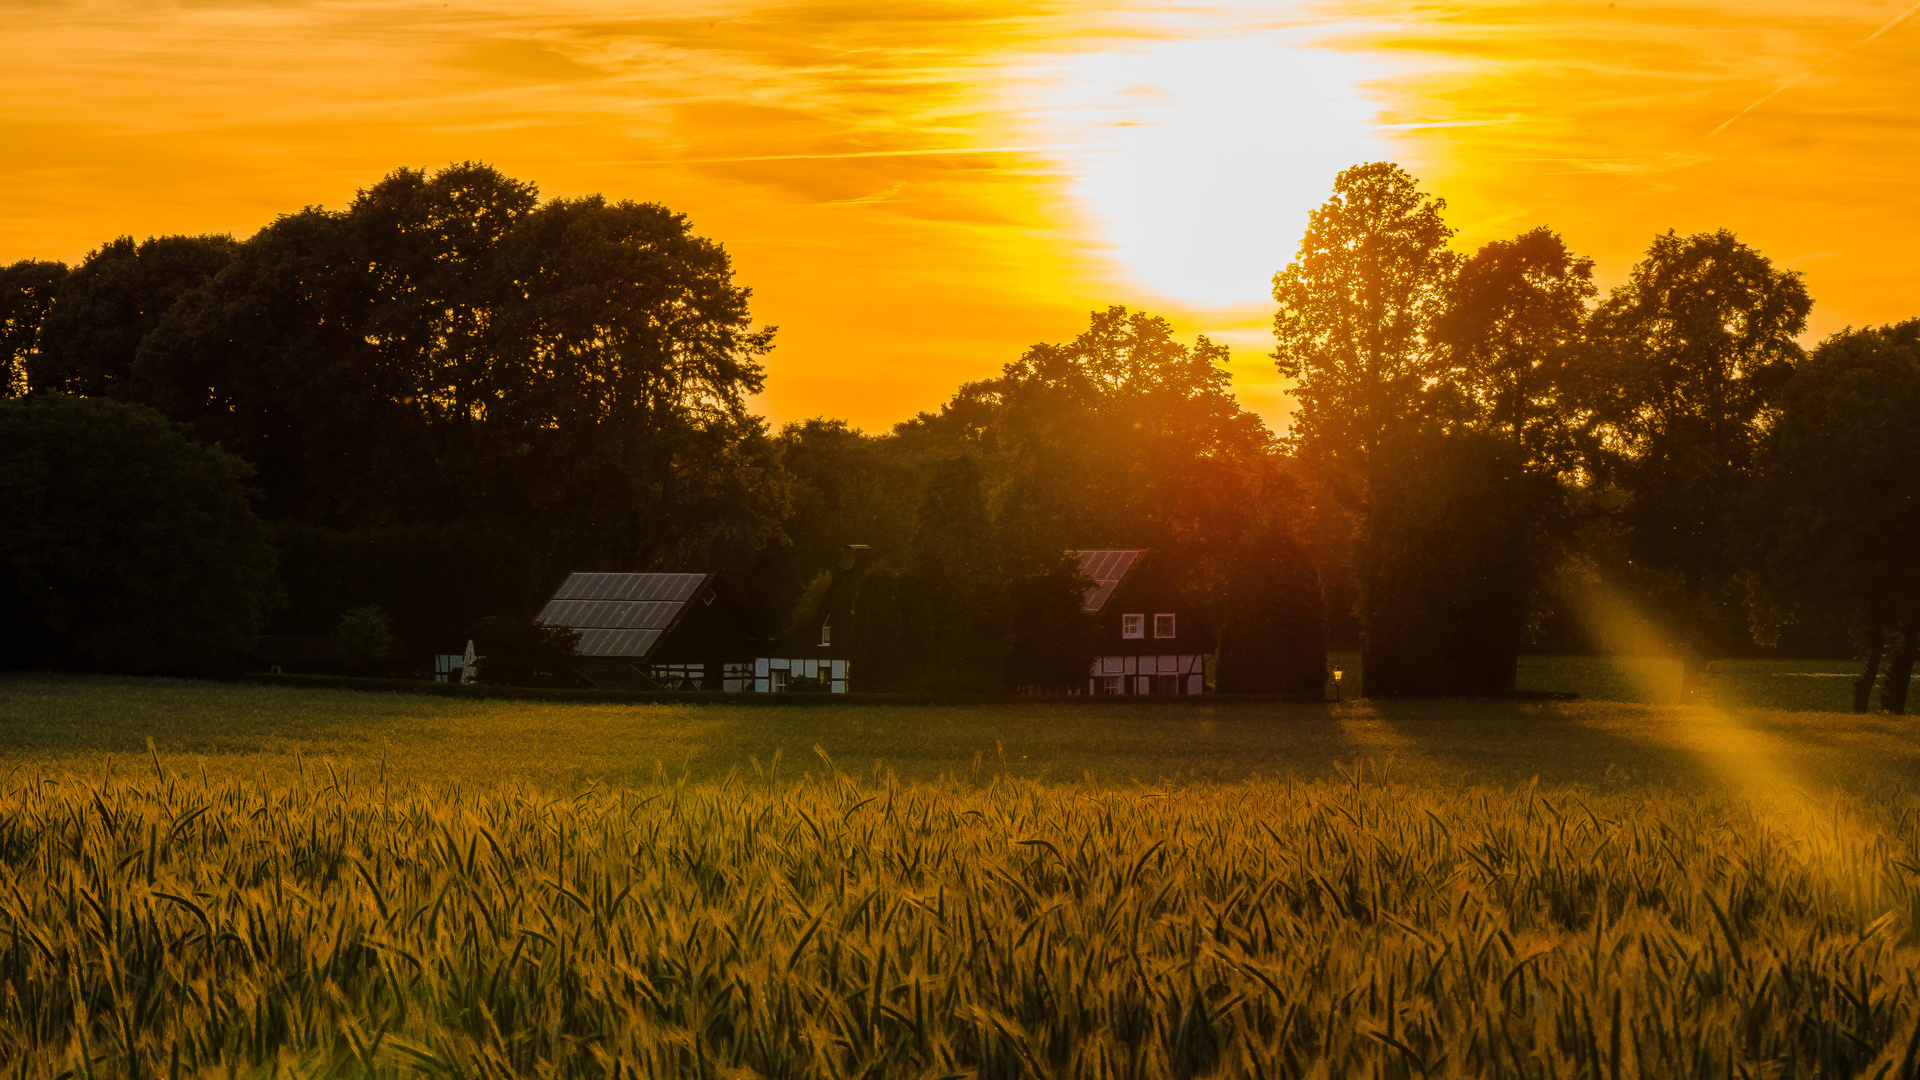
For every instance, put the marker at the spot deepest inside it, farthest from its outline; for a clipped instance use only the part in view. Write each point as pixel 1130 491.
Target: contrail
pixel 1815 70
pixel 859 154
pixel 1775 92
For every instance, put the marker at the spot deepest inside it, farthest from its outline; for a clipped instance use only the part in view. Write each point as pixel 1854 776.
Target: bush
pixel 365 635
pixel 123 545
pixel 525 652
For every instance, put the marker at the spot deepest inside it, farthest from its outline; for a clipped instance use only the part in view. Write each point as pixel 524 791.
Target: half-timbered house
pixel 1152 640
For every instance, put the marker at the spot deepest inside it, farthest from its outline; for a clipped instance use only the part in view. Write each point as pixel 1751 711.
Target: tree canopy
pixel 1508 345
pixel 27 292
pixel 450 349
pixel 1690 352
pixel 1356 307
pixel 90 340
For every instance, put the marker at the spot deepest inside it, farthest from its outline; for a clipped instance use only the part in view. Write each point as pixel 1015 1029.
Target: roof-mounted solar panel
pixel 633 643
pixel 677 588
pixel 1107 569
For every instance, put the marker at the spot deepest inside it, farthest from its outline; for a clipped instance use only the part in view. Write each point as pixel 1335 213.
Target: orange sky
pixel 919 189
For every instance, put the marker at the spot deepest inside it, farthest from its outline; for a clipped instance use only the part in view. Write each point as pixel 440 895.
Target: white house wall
pixel 771 673
pixel 1135 674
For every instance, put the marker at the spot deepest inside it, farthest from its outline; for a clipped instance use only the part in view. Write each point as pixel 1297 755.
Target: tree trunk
pixel 1893 697
pixel 1876 644
pixel 1693 665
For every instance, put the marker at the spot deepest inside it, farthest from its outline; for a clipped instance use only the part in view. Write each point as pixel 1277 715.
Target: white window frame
pixel 1172 630
pixel 826 631
pixel 1133 626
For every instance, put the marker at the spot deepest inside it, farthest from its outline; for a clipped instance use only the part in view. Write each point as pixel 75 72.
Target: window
pixel 779 681
pixel 826 632
pixel 1110 684
pixel 1166 684
pixel 679 676
pixel 1131 626
pixel 1162 626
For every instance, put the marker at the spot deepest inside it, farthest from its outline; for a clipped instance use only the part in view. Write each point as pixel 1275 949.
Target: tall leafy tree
pixel 248 361
pixel 1360 311
pixel 1508 346
pixel 1355 311
pixel 1693 347
pixel 90 339
pixel 1837 511
pixel 27 292
pixel 625 363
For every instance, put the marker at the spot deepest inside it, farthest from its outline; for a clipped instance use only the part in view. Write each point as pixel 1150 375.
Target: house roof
pixel 620 614
pixel 1106 568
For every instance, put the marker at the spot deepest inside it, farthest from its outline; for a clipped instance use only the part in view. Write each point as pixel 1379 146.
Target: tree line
pixel 1502 444
pixel 445 396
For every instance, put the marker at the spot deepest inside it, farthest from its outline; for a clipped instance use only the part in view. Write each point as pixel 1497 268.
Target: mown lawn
pixel 245 730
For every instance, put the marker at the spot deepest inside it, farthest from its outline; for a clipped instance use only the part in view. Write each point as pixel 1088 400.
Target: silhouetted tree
pixel 123 545
pixel 27 292
pixel 952 590
pixel 1120 437
pixel 1833 527
pixel 91 337
pixel 1125 437
pixel 365 636
pixel 848 488
pixel 1692 348
pixel 1507 347
pixel 1356 308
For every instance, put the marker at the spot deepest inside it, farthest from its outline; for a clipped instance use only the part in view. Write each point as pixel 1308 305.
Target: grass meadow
pixel 300 882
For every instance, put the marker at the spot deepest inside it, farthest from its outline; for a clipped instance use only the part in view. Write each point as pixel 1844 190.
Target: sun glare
pixel 1198 160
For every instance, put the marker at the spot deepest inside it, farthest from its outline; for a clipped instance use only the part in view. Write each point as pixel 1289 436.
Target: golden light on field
pixel 1736 748
pixel 918 191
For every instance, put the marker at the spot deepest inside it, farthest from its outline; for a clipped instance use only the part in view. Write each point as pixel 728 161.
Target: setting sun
pixel 1197 161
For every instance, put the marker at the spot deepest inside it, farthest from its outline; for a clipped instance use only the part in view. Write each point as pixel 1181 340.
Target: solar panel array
pixel 609 614
pixel 617 642
pixel 620 614
pixel 674 587
pixel 1106 568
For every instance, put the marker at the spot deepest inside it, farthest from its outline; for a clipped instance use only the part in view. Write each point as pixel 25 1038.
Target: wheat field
pixel 159 922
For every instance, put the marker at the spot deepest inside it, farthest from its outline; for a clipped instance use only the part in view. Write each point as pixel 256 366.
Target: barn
pixel 1151 639
pixel 654 631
